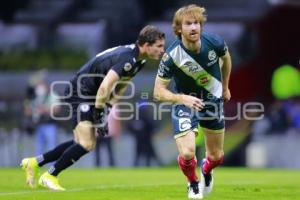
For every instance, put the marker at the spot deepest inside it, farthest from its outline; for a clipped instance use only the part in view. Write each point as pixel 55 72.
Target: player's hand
pixel 100 119
pixel 192 102
pixel 226 94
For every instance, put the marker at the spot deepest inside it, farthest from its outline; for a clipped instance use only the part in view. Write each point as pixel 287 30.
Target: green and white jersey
pixel 197 74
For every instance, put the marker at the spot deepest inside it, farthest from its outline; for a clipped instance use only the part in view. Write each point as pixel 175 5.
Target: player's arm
pixel 226 70
pixel 105 89
pixel 102 108
pixel 119 91
pixel 162 93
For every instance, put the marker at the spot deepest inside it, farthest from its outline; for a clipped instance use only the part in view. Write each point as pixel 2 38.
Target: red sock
pixel 211 164
pixel 188 167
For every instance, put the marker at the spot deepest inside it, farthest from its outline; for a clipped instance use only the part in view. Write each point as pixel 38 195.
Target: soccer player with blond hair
pixel 201 87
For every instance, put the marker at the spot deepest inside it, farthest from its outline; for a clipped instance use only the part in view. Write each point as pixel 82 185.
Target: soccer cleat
pixel 193 191
pixel 31 168
pixel 49 181
pixel 207 181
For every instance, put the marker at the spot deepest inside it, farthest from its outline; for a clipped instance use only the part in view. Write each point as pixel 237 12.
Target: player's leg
pixel 188 163
pixel 56 152
pixel 214 157
pixel 186 158
pixel 214 129
pixel 185 141
pixel 85 141
pixel 31 165
pixel 214 142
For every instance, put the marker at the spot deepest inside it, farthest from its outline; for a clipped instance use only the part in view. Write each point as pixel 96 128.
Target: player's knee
pixel 187 153
pixel 216 154
pixel 85 136
pixel 88 145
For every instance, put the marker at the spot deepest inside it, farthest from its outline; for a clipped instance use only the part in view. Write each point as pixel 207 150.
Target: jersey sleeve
pixel 124 65
pixel 165 67
pixel 220 45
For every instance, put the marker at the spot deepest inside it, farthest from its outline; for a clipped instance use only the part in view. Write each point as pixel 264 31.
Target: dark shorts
pixel 211 117
pixel 80 109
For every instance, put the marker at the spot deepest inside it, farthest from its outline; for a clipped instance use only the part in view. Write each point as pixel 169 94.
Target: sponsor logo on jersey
pixel 184 124
pixel 84 107
pixel 204 80
pixel 192 66
pixel 160 73
pixel 181 113
pixel 194 69
pixel 162 69
pixel 127 67
pixel 187 64
pixel 212 55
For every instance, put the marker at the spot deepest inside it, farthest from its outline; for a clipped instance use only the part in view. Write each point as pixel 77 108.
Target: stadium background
pixel 57 37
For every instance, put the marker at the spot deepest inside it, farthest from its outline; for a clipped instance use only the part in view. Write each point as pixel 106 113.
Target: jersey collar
pixel 136 51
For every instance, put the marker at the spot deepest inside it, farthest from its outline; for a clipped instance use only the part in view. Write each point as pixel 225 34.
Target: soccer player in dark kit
pixel 91 94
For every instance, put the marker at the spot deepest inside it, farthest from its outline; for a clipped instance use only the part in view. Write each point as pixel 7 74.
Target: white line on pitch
pixel 83 189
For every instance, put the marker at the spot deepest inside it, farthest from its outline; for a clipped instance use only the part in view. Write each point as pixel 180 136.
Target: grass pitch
pixel 154 184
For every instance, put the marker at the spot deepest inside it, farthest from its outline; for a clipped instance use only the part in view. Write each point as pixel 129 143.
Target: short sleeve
pixel 221 47
pixel 124 65
pixel 165 67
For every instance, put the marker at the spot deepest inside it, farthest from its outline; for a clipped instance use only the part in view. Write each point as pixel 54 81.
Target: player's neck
pixel 142 53
pixel 192 46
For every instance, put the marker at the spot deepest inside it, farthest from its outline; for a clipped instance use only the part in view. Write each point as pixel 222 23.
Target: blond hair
pixel 190 10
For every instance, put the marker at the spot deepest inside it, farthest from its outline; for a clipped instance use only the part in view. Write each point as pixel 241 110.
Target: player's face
pixel 156 50
pixel 190 29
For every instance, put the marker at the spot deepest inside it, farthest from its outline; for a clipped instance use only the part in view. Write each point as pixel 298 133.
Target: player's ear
pixel 179 30
pixel 147 44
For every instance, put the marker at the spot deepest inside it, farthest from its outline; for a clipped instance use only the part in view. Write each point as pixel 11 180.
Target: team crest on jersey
pixel 212 55
pixel 127 67
pixel 84 107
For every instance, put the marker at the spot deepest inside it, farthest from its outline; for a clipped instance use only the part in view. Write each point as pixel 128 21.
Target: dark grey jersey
pixel 121 59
